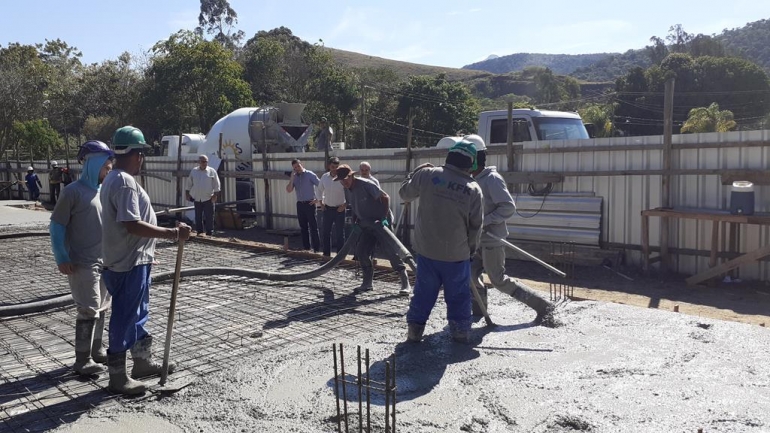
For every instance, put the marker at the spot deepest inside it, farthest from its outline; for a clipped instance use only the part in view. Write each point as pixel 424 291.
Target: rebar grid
pixel 563 258
pixel 219 321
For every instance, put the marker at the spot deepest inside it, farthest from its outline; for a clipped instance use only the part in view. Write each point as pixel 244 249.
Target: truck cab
pixel 531 125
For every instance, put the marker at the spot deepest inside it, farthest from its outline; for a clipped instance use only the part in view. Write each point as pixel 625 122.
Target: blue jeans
pixel 130 306
pixel 455 277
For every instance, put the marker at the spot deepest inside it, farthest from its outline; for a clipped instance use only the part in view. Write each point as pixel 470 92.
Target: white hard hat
pixel 476 140
pixel 54 163
pixel 30 168
pixel 448 142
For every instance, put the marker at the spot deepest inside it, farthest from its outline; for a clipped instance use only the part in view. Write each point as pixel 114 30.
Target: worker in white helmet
pixel 490 257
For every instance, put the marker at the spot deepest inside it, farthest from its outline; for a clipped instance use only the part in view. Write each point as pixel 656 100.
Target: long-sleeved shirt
pixel 498 203
pixel 450 215
pixel 304 185
pixel 330 193
pixel 202 184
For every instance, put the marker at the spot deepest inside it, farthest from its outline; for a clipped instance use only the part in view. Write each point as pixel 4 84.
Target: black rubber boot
pixel 84 333
pixel 415 332
pixel 482 289
pixel 120 383
pixel 144 364
pixel 368 274
pixel 98 352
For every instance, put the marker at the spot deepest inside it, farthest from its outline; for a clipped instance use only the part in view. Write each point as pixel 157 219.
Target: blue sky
pixel 453 34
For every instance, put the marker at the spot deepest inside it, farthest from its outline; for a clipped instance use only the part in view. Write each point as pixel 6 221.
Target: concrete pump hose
pixel 389 239
pixel 265 275
pixel 65 300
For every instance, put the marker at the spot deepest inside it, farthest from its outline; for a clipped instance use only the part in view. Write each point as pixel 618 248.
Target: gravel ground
pixel 608 368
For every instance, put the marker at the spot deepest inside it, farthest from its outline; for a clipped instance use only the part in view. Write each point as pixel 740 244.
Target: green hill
pixel 563 64
pixel 751 41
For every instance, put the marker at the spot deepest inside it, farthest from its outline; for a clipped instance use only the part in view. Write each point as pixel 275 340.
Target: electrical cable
pixel 545 191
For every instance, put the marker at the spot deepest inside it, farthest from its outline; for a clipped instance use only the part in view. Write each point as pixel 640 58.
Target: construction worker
pixel 447 231
pixel 129 231
pixel 305 181
pixel 202 189
pixel 370 204
pixel 76 241
pixel 33 184
pixel 490 257
pixel 54 181
pixel 331 196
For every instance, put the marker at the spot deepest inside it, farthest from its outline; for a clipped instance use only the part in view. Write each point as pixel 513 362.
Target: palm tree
pixel 709 119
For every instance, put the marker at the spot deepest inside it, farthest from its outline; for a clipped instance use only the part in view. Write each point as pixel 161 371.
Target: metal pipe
pixel 526 254
pixel 344 389
pixel 337 389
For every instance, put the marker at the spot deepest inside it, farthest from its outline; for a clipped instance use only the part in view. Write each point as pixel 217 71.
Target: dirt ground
pixel 745 302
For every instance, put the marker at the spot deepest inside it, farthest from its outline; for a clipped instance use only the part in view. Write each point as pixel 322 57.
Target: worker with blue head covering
pixel 76 241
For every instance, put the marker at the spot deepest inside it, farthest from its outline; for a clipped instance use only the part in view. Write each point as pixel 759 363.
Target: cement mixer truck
pixel 247 131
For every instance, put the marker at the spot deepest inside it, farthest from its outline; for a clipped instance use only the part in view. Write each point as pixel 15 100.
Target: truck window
pixel 559 128
pixel 499 131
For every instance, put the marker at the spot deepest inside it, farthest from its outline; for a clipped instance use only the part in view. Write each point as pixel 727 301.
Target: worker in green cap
pixel 129 232
pixel 446 236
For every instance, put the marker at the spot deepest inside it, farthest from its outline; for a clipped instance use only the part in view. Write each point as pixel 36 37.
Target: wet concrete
pixel 608 368
pixel 18 214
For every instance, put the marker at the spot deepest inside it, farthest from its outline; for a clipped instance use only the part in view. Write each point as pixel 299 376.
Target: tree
pixel 218 18
pixel 678 39
pixel 601 117
pixel 36 137
pixel 439 106
pixel 657 51
pixel 110 89
pixel 101 127
pixel 190 84
pixel 709 119
pixel 23 78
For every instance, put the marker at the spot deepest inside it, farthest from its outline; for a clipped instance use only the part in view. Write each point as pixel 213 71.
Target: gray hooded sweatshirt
pixel 498 203
pixel 450 215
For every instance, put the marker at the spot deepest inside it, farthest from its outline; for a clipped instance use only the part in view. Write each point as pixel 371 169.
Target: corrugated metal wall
pixel 624 196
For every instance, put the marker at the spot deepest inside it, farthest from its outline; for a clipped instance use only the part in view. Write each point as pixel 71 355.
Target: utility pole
pixel 363 114
pixel 668 130
pixel 509 141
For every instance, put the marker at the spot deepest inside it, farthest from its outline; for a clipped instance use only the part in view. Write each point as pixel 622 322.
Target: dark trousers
pixel 55 189
pixel 334 218
pixel 308 225
pixel 204 214
pixel 365 251
pixel 34 193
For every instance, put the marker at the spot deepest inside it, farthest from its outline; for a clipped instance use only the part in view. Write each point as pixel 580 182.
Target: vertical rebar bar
pixel 337 389
pixel 387 396
pixel 393 379
pixel 368 396
pixel 344 389
pixel 360 403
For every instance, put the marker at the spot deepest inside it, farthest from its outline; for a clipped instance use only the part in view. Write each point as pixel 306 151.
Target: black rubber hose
pixel 23 235
pixel 59 301
pixel 391 242
pixel 266 275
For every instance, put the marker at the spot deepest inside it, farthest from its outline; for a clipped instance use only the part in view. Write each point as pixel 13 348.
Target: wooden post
pixel 645 242
pixel 363 114
pixel 67 149
pixel 265 169
pixel 178 172
pixel 509 141
pixel 668 127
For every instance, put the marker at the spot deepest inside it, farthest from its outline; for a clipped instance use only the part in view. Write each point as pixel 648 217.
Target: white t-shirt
pixel 202 184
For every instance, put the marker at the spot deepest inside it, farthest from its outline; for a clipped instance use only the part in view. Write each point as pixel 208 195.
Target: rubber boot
pixel 482 289
pixel 535 301
pixel 459 334
pixel 144 365
pixel 84 333
pixel 403 278
pixel 368 274
pixel 98 352
pixel 415 332
pixel 120 383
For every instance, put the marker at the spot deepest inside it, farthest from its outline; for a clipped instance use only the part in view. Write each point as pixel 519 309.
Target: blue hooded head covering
pixel 92 165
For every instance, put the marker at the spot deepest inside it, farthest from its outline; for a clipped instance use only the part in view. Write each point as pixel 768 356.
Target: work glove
pixel 385 223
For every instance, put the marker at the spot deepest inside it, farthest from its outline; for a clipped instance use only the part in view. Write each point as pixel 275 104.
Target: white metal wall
pixel 624 196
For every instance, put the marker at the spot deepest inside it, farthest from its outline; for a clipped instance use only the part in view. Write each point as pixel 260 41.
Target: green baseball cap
pixel 127 139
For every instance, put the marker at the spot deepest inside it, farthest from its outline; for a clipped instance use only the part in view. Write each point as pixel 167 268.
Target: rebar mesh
pixel 220 320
